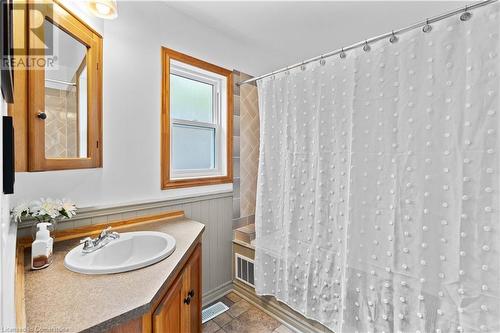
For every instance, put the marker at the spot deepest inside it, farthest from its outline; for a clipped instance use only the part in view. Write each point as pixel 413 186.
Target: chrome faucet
pixel 94 244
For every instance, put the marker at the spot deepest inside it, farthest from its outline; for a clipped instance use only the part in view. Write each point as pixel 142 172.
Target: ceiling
pixel 279 33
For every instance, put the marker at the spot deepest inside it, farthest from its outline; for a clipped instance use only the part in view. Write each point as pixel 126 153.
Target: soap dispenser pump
pixel 41 249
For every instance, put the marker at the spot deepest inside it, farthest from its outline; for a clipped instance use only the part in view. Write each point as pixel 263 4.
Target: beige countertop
pixel 58 300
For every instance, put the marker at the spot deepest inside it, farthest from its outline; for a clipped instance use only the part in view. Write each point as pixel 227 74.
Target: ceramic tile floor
pixel 242 317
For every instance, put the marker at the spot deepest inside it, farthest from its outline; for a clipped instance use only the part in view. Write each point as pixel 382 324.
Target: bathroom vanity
pixel 164 297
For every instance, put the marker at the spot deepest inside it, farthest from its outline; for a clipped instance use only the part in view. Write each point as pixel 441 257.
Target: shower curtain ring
pixel 393 38
pixel 322 61
pixel 466 15
pixel 342 54
pixel 427 27
pixel 303 66
pixel 366 47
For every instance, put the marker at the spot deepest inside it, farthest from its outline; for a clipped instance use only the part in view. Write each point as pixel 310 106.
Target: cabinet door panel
pixel 191 285
pixel 180 309
pixel 167 316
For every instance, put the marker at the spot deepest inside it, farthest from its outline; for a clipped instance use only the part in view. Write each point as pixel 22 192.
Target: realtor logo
pixel 40 31
pixel 35 48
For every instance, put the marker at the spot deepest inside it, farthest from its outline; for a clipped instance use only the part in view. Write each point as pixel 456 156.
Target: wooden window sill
pixel 193 182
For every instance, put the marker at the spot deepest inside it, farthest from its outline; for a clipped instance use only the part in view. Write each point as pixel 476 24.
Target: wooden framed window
pixel 197 112
pixel 63 92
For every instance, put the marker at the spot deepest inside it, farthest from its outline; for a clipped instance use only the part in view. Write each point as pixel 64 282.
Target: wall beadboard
pixel 217 238
pixel 215 211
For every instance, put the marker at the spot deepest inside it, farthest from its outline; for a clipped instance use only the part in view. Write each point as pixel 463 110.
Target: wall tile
pixel 239 222
pixel 244 76
pixel 236 125
pixel 236 105
pixel 249 148
pixel 236 80
pixel 236 167
pixel 236 146
pixel 236 188
pixel 61 125
pixel 236 208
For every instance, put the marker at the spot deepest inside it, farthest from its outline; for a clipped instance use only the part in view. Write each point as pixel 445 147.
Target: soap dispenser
pixel 41 249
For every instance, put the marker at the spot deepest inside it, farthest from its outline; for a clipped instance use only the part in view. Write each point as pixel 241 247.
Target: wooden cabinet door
pixel 167 316
pixel 180 309
pixel 191 291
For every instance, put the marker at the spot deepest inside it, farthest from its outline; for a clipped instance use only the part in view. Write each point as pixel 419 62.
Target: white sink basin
pixel 131 251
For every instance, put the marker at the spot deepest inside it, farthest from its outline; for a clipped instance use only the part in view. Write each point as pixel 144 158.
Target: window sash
pixel 195 173
pixel 215 91
pixel 185 71
pixel 187 173
pixel 180 69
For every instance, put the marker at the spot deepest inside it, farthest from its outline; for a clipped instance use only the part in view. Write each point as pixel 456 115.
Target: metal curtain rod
pixel 61 82
pixel 365 43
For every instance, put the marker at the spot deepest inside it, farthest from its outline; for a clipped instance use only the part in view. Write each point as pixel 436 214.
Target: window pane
pixel 190 99
pixel 193 147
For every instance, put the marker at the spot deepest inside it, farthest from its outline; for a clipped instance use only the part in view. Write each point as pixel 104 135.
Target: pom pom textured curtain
pixel 377 199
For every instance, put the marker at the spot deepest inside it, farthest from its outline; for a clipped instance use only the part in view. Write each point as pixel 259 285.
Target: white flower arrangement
pixel 44 210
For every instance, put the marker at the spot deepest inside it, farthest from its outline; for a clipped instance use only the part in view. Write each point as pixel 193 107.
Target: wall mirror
pixel 63 91
pixel 65 112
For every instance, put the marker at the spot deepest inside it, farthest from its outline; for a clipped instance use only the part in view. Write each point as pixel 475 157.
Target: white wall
pixel 275 34
pixel 79 8
pixel 131 109
pixel 7 249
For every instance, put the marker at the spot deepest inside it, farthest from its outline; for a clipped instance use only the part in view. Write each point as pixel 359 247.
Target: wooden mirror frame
pixel 29 95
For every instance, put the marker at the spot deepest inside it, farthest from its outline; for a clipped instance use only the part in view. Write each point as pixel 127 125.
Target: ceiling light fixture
pixel 106 9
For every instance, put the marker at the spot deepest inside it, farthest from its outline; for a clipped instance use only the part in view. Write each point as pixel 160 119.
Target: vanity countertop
pixel 58 300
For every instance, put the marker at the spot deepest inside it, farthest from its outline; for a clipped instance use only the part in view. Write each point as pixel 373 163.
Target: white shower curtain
pixel 377 201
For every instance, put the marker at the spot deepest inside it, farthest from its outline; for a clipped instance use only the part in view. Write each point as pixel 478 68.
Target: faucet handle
pixel 85 240
pixel 105 232
pixel 87 243
pixel 114 235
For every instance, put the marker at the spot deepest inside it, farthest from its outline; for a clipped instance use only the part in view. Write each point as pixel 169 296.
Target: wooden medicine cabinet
pixel 58 91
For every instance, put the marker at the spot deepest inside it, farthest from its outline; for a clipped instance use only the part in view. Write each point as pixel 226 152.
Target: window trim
pixel 167 179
